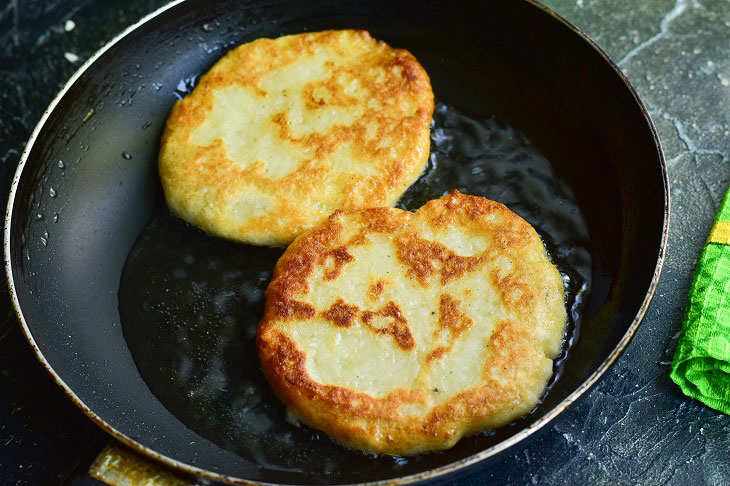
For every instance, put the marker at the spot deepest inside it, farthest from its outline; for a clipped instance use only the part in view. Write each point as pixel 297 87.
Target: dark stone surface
pixel 635 426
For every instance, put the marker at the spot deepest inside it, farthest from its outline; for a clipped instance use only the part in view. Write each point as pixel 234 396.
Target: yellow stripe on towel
pixel 720 233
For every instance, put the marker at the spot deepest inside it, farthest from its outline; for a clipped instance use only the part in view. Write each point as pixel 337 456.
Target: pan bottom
pixel 190 303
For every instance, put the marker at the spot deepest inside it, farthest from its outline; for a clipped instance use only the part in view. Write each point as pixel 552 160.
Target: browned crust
pixel 423 256
pixel 339 257
pixel 285 309
pixel 343 315
pixel 378 423
pixel 376 289
pixel 451 320
pixel 398 326
pixel 188 170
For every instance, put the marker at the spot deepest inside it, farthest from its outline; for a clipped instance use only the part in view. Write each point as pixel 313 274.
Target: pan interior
pixel 190 303
pixel 89 190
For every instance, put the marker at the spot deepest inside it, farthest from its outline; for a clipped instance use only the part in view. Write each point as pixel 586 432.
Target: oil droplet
pixel 39 217
pixel 207 28
pixel 52 192
pixel 44 238
pixel 185 86
pixel 400 461
pixel 61 165
pixel 55 217
pixel 126 156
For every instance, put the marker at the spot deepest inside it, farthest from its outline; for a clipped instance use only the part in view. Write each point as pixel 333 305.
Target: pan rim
pixel 429 474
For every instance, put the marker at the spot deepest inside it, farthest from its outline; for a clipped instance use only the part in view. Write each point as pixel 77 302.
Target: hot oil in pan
pixel 190 302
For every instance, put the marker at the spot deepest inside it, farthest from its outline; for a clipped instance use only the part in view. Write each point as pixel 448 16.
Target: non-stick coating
pixel 89 184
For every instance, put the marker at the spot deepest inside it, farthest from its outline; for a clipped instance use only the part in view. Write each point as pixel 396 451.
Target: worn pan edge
pixel 431 474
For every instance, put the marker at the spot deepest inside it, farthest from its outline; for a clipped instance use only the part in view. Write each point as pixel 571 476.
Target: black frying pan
pixel 86 194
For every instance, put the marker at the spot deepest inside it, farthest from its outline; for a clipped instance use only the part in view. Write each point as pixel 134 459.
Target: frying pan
pixel 87 187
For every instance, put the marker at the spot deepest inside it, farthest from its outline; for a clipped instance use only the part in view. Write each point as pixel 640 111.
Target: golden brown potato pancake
pixel 282 132
pixel 400 332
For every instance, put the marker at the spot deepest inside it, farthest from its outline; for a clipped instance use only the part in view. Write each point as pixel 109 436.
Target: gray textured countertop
pixel 634 426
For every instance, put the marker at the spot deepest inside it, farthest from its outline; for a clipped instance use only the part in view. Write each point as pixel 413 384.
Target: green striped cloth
pixel 701 365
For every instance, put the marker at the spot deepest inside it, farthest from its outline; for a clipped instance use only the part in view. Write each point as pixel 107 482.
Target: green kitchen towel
pixel 701 365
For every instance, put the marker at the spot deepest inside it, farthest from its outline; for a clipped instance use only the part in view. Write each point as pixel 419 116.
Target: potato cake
pixel 399 332
pixel 282 132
